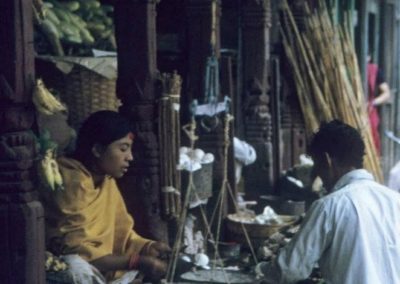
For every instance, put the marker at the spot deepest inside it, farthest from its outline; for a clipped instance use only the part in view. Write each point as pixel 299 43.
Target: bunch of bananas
pixel 54 263
pixel 47 167
pixel 49 172
pixel 44 101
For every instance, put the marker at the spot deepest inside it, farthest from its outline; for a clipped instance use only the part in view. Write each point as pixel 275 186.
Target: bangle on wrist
pixel 134 261
pixel 146 248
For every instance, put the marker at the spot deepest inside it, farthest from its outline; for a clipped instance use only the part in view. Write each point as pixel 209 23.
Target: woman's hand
pixel 159 250
pixel 152 267
pixel 153 260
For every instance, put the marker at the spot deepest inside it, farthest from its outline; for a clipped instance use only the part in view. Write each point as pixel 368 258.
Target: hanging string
pixel 213 40
pixel 212 92
pixel 225 183
pixel 190 130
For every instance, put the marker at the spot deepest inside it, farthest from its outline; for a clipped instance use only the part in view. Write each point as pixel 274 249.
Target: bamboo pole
pixel 326 75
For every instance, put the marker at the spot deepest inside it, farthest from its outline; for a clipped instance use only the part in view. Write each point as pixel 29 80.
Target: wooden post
pixel 21 214
pixel 362 40
pixel 387 47
pixel 255 41
pixel 255 54
pixel 135 24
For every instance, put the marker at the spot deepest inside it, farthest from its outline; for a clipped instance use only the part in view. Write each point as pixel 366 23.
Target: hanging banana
pixel 49 172
pixel 54 263
pixel 44 101
pixel 47 167
pixel 45 171
pixel 58 180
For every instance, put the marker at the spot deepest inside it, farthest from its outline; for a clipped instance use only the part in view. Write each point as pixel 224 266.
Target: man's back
pixel 353 232
pixel 365 230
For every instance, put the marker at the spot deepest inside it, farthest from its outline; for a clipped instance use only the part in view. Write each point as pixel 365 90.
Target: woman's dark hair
pixel 340 141
pixel 103 128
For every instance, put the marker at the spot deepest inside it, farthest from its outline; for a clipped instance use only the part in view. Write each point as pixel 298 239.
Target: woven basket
pixel 257 233
pixel 202 181
pixel 83 90
pixel 86 92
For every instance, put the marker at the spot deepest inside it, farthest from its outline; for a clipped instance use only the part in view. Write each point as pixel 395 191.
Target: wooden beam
pixel 21 215
pixel 16 45
pixel 363 42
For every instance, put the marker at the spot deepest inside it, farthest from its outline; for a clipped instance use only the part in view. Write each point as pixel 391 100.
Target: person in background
pixel 352 233
pixel 89 217
pixel 378 94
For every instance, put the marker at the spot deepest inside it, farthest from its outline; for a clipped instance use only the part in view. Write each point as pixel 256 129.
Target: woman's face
pixel 114 160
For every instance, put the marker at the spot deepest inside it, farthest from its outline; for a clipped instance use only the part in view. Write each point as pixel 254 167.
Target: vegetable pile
pixel 73 27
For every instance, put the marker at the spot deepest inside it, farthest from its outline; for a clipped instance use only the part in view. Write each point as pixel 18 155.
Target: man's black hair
pixel 341 141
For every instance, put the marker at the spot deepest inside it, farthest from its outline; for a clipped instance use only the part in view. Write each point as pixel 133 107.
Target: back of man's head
pixel 340 141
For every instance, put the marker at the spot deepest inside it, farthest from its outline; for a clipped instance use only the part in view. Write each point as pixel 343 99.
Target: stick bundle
pixel 169 135
pixel 326 75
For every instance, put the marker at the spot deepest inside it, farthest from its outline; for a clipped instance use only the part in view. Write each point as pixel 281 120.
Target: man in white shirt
pixel 353 232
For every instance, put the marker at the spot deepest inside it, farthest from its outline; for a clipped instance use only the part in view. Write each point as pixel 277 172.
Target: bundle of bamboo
pixel 169 135
pixel 326 74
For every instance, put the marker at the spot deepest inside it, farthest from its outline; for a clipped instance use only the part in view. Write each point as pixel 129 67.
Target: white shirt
pixel 352 233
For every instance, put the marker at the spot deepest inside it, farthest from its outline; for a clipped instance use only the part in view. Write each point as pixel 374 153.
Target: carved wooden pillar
pixel 256 21
pixel 21 214
pixel 255 42
pixel 293 134
pixel 135 23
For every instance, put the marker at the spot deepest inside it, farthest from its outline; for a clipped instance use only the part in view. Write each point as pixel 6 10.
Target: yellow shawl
pixel 92 222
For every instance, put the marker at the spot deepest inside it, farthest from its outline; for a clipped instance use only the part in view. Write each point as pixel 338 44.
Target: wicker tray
pixel 256 232
pixel 202 180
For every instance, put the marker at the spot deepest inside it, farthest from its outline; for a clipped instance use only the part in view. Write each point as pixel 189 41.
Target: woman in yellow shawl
pixel 89 217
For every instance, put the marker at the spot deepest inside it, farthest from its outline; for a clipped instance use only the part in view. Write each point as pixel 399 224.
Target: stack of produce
pixel 73 27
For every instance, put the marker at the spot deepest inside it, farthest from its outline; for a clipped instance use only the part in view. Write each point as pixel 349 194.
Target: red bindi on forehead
pixel 131 135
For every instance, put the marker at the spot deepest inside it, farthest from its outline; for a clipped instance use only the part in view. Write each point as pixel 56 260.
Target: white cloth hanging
pixel 244 154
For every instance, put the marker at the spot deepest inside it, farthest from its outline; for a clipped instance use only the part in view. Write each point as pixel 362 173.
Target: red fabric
pixel 372 73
